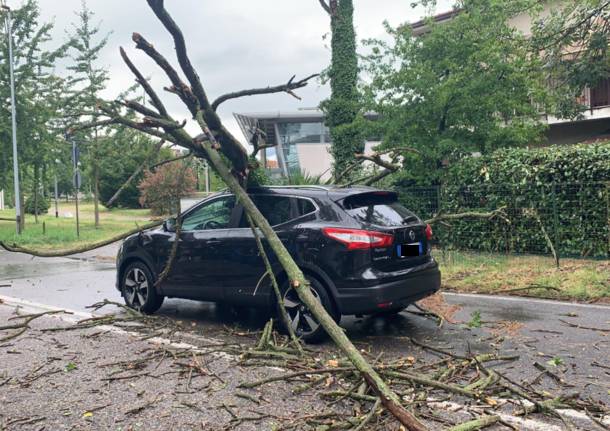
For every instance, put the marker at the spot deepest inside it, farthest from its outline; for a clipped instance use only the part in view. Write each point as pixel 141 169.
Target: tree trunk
pixel 96 182
pixel 390 400
pixel 22 201
pixel 35 189
pixel 342 108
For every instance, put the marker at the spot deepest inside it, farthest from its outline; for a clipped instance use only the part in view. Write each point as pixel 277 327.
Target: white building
pixel 302 141
pixel 595 121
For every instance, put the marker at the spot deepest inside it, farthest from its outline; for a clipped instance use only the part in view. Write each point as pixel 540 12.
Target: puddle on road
pixel 41 269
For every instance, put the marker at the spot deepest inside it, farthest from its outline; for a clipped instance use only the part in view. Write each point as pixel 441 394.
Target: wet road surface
pixel 536 330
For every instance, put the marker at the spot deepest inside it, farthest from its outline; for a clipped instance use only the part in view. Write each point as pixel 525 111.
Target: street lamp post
pixel 9 34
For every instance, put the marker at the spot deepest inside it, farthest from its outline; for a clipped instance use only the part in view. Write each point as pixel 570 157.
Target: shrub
pixel 162 189
pixel 31 203
pixel 566 187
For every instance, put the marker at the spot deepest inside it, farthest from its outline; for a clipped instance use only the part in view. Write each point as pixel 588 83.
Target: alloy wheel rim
pixel 136 288
pixel 301 319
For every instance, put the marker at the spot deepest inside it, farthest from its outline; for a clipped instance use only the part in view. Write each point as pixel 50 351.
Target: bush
pixel 110 183
pixel 162 189
pixel 566 187
pixel 31 203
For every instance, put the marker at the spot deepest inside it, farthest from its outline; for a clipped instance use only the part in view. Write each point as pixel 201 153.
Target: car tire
pixel 138 288
pixel 305 326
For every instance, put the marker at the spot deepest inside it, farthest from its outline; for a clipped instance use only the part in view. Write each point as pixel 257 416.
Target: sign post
pixel 9 32
pixel 77 181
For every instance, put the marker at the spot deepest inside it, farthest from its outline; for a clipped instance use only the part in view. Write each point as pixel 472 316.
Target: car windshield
pixel 381 209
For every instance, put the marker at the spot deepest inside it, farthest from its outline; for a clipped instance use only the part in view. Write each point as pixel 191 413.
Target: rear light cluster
pixel 356 239
pixel 428 232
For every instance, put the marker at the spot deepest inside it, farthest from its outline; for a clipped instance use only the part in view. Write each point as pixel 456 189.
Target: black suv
pixel 362 252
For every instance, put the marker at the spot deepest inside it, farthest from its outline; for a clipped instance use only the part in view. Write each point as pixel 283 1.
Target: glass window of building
pixel 293 134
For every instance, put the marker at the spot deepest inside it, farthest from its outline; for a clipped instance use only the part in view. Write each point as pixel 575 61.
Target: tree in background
pixel 86 82
pixel 467 85
pixel 574 45
pixel 162 189
pixel 123 152
pixel 343 108
pixel 36 101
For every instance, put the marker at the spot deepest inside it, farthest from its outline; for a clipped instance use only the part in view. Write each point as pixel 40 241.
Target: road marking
pixel 524 423
pixel 529 300
pixel 74 316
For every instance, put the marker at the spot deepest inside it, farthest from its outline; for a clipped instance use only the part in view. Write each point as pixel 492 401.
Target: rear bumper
pixel 395 294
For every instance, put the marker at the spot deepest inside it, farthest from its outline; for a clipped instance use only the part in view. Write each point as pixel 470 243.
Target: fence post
pixel 608 216
pixel 438 199
pixel 556 223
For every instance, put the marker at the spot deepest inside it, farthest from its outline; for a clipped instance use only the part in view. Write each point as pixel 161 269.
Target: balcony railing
pixel 598 96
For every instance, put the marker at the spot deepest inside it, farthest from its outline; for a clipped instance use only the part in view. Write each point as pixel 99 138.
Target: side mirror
pixel 170 224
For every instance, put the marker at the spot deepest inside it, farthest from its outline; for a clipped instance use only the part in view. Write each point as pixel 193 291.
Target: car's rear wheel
pixel 138 289
pixel 302 321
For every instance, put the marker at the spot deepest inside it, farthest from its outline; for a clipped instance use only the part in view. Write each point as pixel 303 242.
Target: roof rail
pixel 314 187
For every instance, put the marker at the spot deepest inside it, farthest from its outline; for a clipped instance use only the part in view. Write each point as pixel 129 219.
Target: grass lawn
pixel 576 279
pixel 61 232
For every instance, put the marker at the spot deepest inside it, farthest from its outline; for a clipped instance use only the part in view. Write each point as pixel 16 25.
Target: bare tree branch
pixel 139 169
pixel 283 88
pixel 325 6
pixel 167 125
pixel 229 145
pixel 178 86
pixel 139 108
pixel 376 158
pixel 175 159
pixel 499 213
pixel 81 249
pixel 259 142
pixel 158 8
pixel 156 101
pixel 330 8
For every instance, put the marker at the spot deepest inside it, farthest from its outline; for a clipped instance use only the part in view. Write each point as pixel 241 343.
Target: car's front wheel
pixel 138 289
pixel 302 321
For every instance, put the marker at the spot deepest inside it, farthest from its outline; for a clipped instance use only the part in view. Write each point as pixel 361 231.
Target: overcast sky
pixel 234 44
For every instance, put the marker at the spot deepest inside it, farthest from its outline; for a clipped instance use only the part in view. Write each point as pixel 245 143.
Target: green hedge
pixel 568 187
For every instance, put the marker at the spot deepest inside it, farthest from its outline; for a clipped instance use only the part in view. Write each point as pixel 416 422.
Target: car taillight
pixel 356 239
pixel 428 232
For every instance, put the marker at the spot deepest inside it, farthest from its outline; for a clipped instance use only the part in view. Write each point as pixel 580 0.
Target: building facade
pixel 302 141
pixel 593 124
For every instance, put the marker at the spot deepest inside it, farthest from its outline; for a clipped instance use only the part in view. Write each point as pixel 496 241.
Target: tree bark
pixel 62 253
pixel 297 279
pixel 36 174
pixel 96 181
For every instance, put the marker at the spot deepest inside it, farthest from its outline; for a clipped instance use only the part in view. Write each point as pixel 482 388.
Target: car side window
pixel 209 216
pixel 276 209
pixel 304 206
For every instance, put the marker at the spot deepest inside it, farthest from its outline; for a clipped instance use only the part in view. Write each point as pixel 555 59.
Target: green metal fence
pixel 571 219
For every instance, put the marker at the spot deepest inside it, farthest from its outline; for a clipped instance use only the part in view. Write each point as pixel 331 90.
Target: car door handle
pixel 212 241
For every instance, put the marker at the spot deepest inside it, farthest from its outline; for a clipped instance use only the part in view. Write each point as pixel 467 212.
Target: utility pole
pixel 9 35
pixel 76 180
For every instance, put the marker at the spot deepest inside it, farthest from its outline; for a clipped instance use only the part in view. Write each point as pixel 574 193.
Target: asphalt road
pixel 536 330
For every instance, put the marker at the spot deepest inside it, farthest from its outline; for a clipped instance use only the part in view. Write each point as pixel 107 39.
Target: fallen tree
pixel 233 165
pixel 230 160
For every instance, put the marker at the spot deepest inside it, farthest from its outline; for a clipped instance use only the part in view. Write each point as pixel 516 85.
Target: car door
pixel 202 258
pixel 242 283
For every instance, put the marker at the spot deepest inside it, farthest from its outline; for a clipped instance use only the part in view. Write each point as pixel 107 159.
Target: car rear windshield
pixel 379 208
